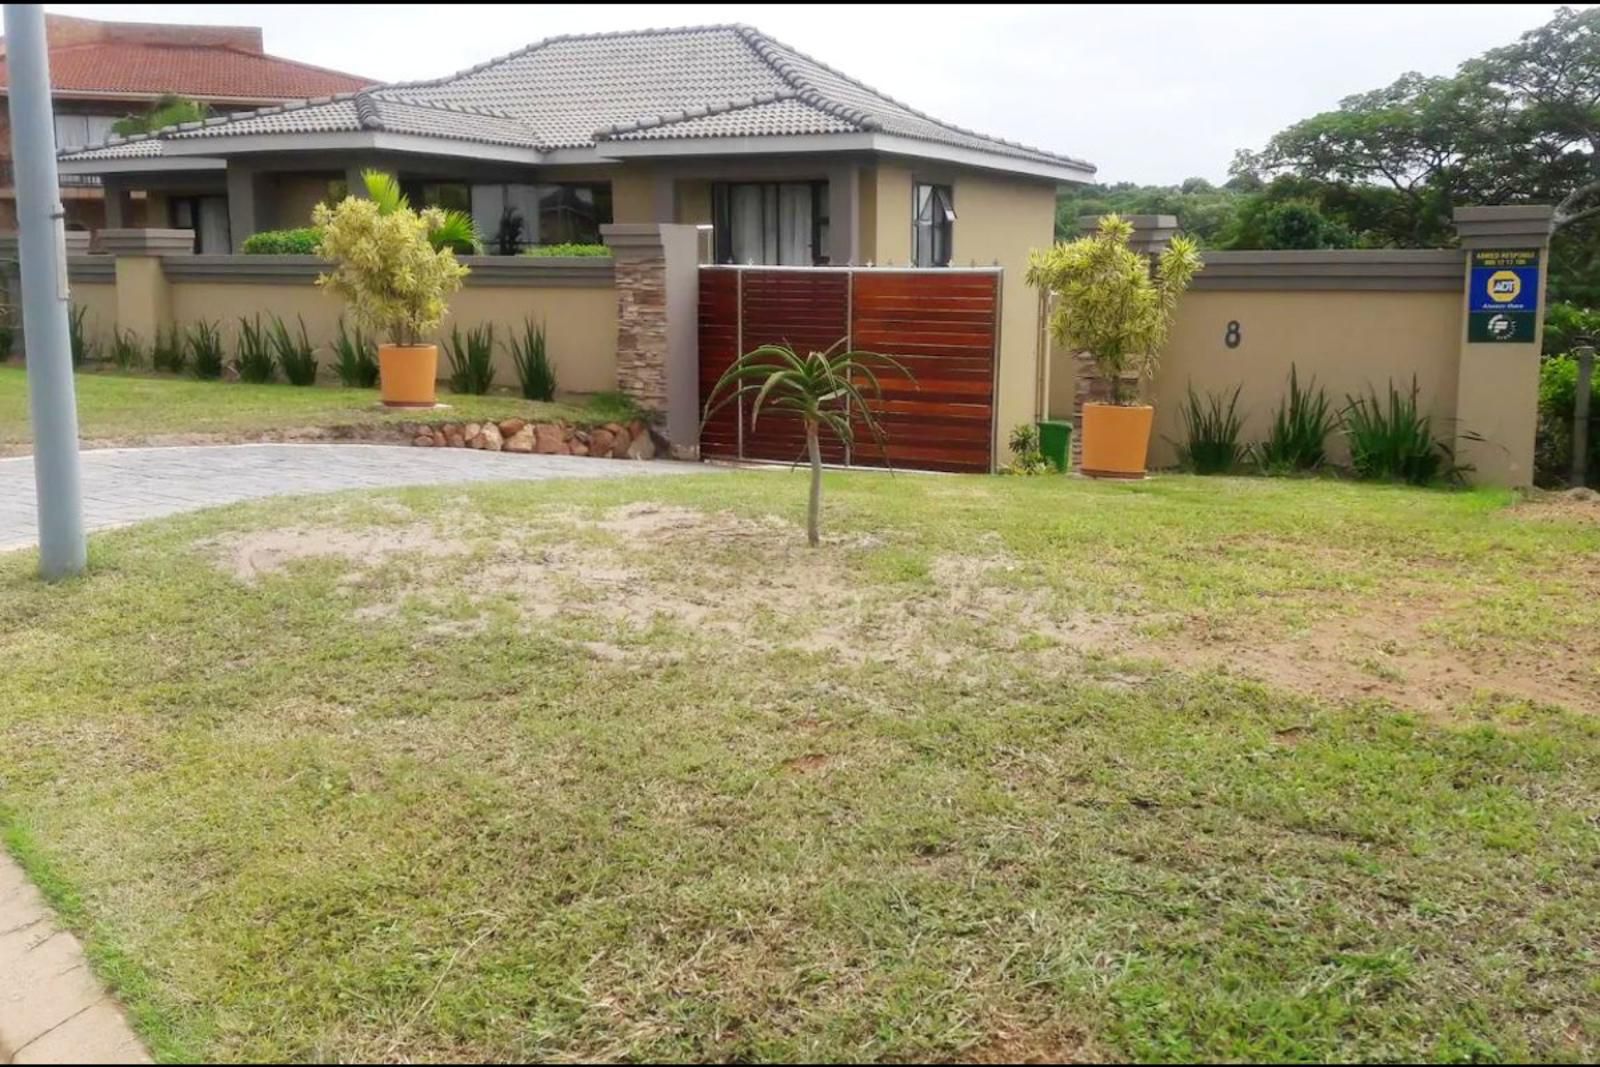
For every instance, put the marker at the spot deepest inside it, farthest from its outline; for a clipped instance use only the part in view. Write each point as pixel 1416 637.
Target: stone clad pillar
pixel 144 304
pixel 1151 233
pixel 657 283
pixel 1497 383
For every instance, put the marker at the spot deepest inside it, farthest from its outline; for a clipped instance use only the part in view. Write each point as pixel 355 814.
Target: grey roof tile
pixel 578 91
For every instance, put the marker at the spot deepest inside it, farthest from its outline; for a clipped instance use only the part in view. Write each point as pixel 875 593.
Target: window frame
pixel 770 193
pixel 941 228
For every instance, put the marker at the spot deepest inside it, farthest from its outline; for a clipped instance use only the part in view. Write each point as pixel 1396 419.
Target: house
pixel 790 161
pixel 781 159
pixel 103 71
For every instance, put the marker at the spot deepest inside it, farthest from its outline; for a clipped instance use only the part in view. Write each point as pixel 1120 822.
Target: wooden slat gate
pixel 943 325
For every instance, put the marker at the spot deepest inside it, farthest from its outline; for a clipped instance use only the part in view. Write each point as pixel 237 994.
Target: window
pixel 78 131
pixel 771 222
pixel 935 213
pixel 550 214
pixel 207 216
pixel 452 196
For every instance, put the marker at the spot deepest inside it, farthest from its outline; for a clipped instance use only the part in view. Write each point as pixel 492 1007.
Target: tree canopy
pixel 1386 168
pixel 170 110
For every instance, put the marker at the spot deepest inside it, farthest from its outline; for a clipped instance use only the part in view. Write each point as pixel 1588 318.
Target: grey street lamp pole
pixel 42 243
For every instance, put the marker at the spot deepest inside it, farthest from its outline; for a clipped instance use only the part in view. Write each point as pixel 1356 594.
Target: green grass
pixel 526 776
pixel 126 408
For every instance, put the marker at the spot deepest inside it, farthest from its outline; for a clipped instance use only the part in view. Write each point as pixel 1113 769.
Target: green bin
pixel 1055 441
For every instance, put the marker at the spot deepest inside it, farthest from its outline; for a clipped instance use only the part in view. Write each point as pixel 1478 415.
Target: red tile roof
pixel 188 70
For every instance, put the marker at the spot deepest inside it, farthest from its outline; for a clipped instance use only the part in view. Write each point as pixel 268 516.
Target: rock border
pixel 613 440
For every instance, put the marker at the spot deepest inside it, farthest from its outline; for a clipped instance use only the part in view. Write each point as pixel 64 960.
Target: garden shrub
pixel 300 242
pixel 1393 441
pixel 296 354
pixel 1026 456
pixel 127 351
pixel 357 355
pixel 567 250
pixel 206 358
pixel 472 360
pixel 1211 434
pixel 1298 438
pixel 255 361
pixel 535 374
pixel 168 352
pixel 1558 391
pixel 83 349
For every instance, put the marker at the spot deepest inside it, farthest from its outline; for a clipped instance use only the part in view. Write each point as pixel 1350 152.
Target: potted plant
pixel 1114 308
pixel 397 269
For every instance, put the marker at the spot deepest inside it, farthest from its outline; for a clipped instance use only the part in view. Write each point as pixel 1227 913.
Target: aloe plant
pixel 1211 433
pixel 296 354
pixel 824 390
pixel 1300 429
pixel 205 350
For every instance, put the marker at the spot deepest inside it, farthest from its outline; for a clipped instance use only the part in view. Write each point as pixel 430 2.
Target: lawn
pixel 1042 769
pixel 122 408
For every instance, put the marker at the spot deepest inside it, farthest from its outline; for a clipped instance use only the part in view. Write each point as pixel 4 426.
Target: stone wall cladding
pixel 642 327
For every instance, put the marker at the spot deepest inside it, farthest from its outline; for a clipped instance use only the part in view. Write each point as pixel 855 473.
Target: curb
pixel 52 1008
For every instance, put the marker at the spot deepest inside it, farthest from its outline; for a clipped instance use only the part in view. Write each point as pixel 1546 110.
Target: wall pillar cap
pixel 128 242
pixel 1516 225
pixel 633 238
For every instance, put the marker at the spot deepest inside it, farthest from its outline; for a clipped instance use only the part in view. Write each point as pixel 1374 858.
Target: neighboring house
pixel 103 71
pixel 790 161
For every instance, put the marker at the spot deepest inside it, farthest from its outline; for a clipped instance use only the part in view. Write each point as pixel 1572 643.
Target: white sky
pixel 1150 93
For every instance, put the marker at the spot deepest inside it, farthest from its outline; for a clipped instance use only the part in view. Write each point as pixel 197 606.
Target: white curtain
pixel 749 224
pixel 794 221
pixel 213 227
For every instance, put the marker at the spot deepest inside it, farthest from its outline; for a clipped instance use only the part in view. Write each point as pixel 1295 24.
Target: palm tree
pixel 823 389
pixel 458 232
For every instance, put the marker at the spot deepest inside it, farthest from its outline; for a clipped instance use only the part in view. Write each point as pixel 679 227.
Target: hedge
pixel 567 250
pixel 302 242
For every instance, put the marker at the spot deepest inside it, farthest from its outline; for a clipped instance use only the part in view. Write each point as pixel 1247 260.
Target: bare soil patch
pixel 751 584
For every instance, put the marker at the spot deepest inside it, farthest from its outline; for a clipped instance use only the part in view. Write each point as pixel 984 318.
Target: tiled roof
pixel 580 91
pixel 787 115
pixel 194 71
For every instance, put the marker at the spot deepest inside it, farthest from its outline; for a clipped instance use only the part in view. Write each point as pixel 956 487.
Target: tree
pixel 169 110
pixel 824 390
pixel 1110 306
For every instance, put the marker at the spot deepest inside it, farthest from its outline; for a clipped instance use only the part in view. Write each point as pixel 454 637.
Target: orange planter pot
pixel 406 375
pixel 1116 440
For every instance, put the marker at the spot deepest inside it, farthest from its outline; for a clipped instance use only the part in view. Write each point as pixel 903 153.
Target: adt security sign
pixel 1503 302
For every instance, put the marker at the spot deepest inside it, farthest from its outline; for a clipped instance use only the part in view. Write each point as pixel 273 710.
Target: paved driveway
pixel 126 485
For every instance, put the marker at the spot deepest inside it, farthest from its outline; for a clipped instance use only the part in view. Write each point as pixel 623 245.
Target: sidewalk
pixel 52 1009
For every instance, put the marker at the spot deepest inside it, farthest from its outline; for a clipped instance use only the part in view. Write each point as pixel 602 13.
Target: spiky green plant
pixel 83 349
pixel 1391 440
pixel 1298 438
pixel 456 231
pixel 169 352
pixel 535 374
pixel 127 351
pixel 206 358
pixel 357 358
pixel 1026 456
pixel 471 360
pixel 1211 433
pixel 257 365
pixel 296 354
pixel 823 390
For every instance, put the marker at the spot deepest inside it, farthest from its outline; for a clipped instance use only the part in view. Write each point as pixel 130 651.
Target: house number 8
pixel 1232 337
